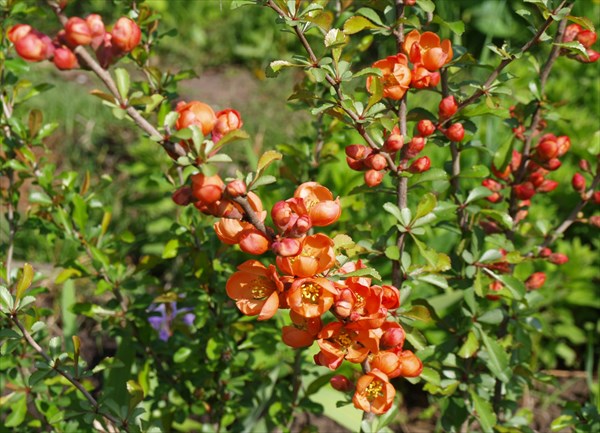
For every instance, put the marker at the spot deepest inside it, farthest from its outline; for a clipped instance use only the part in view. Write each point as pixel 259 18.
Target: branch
pixel 87 60
pixel 251 216
pixel 65 374
pixel 504 63
pixel 336 86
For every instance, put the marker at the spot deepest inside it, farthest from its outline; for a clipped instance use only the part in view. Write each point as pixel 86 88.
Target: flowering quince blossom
pixel 374 393
pixel 255 289
pixel 426 49
pixel 396 76
pixel 163 321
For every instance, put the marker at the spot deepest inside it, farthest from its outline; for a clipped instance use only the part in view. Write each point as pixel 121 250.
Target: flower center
pixel 310 293
pixel 374 390
pixel 259 288
pixel 343 340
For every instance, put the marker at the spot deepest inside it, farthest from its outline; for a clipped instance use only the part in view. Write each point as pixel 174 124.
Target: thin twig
pixel 30 340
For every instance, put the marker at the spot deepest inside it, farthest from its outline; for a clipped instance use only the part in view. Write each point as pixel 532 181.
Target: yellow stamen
pixel 374 390
pixel 259 288
pixel 310 293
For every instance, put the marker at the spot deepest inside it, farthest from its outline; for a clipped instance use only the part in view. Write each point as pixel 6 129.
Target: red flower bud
pixel 65 59
pixel 593 56
pixel 564 144
pixel 535 281
pixel 236 188
pixel 391 338
pixel 425 127
pixel 456 132
pixel 253 241
pixel 195 113
pixel 287 247
pixel 357 151
pixel 420 165
pixel 547 148
pixel 547 186
pixel 227 120
pixel 77 32
pixel 341 383
pixel 358 165
pixel 494 286
pixel 34 47
pixel 587 38
pixel 393 143
pixel 207 189
pixel 376 162
pixel 596 197
pixel 553 164
pixel 126 34
pixel 595 220
pixel 373 177
pixel 558 258
pixel 545 252
pixel 18 32
pixel 447 107
pixel 584 165
pixel 578 182
pixel 96 25
pixel 492 185
pixel 183 196
pixel 415 146
pixel 524 191
pixel 571 32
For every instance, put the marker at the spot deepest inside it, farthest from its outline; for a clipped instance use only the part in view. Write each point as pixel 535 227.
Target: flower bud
pixel 236 188
pixel 537 178
pixel 373 177
pixel 393 143
pixel 596 197
pixel 77 32
pixel 447 107
pixel 553 164
pixel 535 281
pixel 578 182
pixel 495 286
pixel 64 59
pixel 587 38
pixel 456 132
pixel 595 220
pixel 547 186
pixel 425 127
pixel 96 25
pixel 410 364
pixel 287 247
pixel 492 185
pixel 393 337
pixel 281 213
pixel 341 383
pixel 227 120
pixel 195 113
pixel 592 56
pixel 524 191
pixel 207 189
pixel 420 165
pixel 376 162
pixel 564 144
pixel 253 241
pixel 386 362
pixel 558 258
pixel 183 196
pixel 571 32
pixel 126 34
pixel 106 52
pixel 34 47
pixel 584 165
pixel 18 32
pixel 547 149
pixel 545 252
pixel 357 151
pixel 490 227
pixel 415 146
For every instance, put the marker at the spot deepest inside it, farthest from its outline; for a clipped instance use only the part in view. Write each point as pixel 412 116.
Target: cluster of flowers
pixel 304 278
pixel 34 46
pixel 587 38
pixel 428 54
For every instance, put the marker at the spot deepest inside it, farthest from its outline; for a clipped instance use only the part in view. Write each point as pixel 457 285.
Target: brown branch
pixel 87 60
pixel 30 340
pixel 251 216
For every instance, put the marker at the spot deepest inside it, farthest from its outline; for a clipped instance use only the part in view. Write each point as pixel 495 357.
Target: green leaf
pixel 563 422
pixel 392 252
pixel 182 354
pixel 497 359
pixel 356 24
pixel 25 279
pixel 477 193
pixel 27 300
pixel 469 347
pixel 123 82
pixel 418 312
pixel 6 298
pixel 104 96
pixel 40 197
pixel 80 213
pixel 429 176
pixel 18 412
pixel 492 317
pixel 394 210
pixel 376 89
pixel 456 27
pixel 485 413
pixel 498 216
pixel 277 65
pixel 170 250
pixel 427 5
pixel 67 274
pixel 267 159
pixel 427 203
pixel 318 383
pixel 334 38
pixel 584 22
pixel 515 286
pixel 574 46
pixel 370 14
pixel 476 171
pixel 365 272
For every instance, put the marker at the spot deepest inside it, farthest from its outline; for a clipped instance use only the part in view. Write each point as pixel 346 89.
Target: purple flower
pixel 163 321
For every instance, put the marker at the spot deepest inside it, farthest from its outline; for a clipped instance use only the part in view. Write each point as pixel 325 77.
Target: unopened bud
pixel 456 132
pixel 126 34
pixel 393 337
pixel 77 32
pixel 447 107
pixel 420 165
pixel 287 247
pixel 524 191
pixel 578 182
pixel 236 188
pixel 373 177
pixel 376 162
pixel 341 383
pixel 535 281
pixel 558 258
pixel 64 59
pixel 425 127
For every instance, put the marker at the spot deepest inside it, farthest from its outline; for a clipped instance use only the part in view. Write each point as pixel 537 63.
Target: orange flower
pixel 338 343
pixel 319 203
pixel 255 289
pixel 387 362
pixel 303 332
pixel 427 50
pixel 228 229
pixel 253 241
pixel 410 364
pixel 396 76
pixel 311 297
pixel 316 256
pixel 374 393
